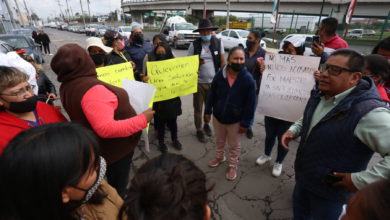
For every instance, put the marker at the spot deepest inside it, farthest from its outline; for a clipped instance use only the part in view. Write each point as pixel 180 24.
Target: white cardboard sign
pixel 286 85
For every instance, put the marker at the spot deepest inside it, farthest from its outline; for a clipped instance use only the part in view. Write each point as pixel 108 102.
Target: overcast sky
pixel 47 8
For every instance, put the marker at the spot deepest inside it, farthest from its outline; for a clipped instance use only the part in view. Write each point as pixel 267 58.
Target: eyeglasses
pixel 22 91
pixel 333 70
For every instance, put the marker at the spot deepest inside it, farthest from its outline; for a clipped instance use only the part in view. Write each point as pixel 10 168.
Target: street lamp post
pixel 228 14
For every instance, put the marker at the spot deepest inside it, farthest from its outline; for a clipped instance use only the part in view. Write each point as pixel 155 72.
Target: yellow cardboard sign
pixel 115 74
pixel 174 77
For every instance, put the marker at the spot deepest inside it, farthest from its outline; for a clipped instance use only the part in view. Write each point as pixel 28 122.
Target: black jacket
pixel 215 48
pixel 45 86
pixel 44 38
pixel 114 58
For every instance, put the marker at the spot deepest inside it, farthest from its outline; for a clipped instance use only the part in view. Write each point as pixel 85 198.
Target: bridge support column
pixel 137 16
pixel 199 14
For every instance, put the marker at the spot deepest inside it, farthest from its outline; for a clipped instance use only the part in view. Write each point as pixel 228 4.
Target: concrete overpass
pixel 364 9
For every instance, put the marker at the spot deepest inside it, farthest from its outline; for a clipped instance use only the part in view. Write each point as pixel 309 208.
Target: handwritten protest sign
pixel 114 74
pixel 174 77
pixel 286 85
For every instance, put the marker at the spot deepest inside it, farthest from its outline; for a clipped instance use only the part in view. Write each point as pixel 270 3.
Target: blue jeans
pixel 254 114
pixel 275 128
pixel 308 206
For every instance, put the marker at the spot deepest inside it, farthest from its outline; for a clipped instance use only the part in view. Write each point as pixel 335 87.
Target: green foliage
pixel 221 20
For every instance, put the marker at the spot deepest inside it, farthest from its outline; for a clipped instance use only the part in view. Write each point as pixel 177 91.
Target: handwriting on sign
pixel 115 74
pixel 174 77
pixel 286 85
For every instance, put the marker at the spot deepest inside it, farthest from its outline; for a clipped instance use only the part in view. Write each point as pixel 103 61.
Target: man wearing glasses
pixel 343 124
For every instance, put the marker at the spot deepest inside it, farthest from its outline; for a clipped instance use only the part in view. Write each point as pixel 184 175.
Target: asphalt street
pixel 254 195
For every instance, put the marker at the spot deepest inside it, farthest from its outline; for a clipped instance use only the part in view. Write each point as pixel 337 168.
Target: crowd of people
pixel 78 167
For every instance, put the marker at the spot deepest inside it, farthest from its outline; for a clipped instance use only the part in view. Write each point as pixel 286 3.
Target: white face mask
pixel 344 212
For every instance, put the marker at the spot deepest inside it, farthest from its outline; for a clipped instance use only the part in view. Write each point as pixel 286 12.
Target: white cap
pixel 296 40
pixel 97 42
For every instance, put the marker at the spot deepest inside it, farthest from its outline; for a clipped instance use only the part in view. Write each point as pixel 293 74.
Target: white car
pixel 125 31
pixel 236 37
pixel 355 33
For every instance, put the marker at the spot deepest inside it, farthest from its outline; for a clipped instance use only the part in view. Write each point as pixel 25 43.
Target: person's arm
pixel 49 84
pixel 144 66
pixel 99 105
pixel 208 109
pixel 190 51
pixel 249 106
pixel 222 52
pixel 296 127
pixel 374 131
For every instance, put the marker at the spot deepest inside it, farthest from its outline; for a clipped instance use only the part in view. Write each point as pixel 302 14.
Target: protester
pixel 46 89
pixel 370 203
pixel 101 107
pixel 167 187
pixel 44 38
pixel 383 49
pixel 254 55
pixel 156 40
pixel 118 54
pixel 378 69
pixel 138 47
pixel 231 100
pixel 211 58
pixel 19 108
pixel 37 39
pixel 274 127
pixel 98 51
pixel 166 112
pixel 344 123
pixel 329 40
pixel 55 172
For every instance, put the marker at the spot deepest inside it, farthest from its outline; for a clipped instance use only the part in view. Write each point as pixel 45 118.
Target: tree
pixel 34 17
pixel 221 20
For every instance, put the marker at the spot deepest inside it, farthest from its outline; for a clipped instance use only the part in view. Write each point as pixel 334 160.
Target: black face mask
pixel 98 59
pixel 139 38
pixel 161 56
pixel 250 44
pixel 25 106
pixel 237 67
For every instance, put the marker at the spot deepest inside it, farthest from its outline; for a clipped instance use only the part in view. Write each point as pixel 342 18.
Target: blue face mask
pixel 206 38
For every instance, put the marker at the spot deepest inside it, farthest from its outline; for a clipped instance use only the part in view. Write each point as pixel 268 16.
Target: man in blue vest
pixel 211 58
pixel 344 123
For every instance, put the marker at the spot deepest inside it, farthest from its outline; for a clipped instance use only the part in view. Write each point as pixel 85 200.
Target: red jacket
pixel 336 43
pixel 11 125
pixel 382 92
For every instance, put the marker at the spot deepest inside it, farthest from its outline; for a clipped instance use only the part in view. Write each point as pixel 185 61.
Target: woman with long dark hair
pixel 55 172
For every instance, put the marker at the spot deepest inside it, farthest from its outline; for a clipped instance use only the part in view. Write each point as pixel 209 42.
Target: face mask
pixel 139 38
pixel 237 67
pixel 250 44
pixel 98 59
pixel 122 45
pixel 160 56
pixel 25 106
pixel 206 38
pixel 73 204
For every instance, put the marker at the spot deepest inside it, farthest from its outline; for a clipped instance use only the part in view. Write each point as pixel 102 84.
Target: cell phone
pixel 330 179
pixel 316 38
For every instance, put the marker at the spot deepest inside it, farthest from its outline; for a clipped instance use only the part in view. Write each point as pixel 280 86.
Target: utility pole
pixel 20 13
pixel 10 14
pixel 228 14
pixel 322 8
pixel 89 12
pixel 82 13
pixel 204 9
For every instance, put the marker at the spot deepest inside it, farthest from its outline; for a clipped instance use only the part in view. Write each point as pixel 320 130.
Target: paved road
pixel 254 195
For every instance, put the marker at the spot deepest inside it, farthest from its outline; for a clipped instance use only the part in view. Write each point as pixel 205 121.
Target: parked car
pixel 22 31
pixel 5 47
pixel 355 33
pixel 23 42
pixel 90 30
pixel 124 31
pixel 236 37
pixel 101 30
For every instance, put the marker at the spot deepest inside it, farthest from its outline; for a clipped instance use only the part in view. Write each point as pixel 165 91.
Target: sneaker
pixel 207 129
pixel 231 173
pixel 263 159
pixel 163 148
pixel 215 162
pixel 200 136
pixel 277 169
pixel 249 133
pixel 177 145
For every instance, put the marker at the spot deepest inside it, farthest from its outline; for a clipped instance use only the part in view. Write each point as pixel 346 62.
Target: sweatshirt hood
pixel 72 62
